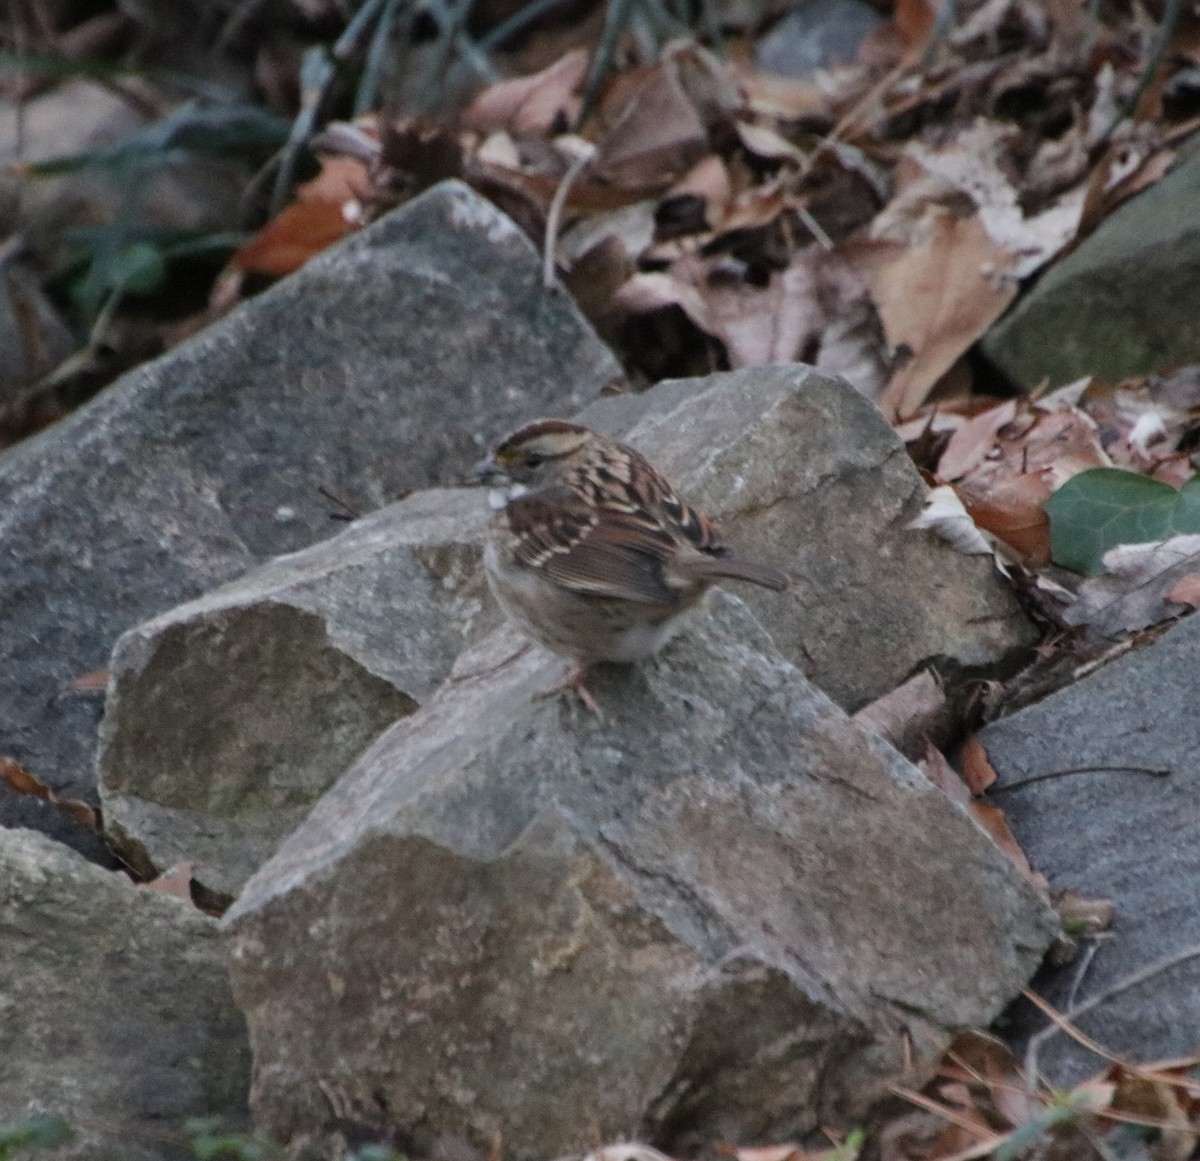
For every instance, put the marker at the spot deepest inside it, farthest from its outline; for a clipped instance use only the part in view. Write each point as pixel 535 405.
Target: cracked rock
pixel 229 716
pixel 799 470
pixel 378 368
pixel 115 1010
pixel 723 912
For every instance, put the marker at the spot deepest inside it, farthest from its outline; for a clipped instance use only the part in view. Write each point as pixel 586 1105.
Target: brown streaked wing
pixel 592 551
pixel 649 490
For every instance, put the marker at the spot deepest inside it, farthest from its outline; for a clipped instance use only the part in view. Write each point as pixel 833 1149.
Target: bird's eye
pixel 534 460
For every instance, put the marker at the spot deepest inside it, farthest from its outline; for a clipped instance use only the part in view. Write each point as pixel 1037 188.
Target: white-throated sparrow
pixel 592 553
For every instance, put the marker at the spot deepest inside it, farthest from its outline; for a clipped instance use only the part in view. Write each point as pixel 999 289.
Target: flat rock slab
pixel 801 471
pixel 724 911
pixel 229 716
pixel 115 1010
pixel 381 367
pixel 1122 835
pixel 1122 303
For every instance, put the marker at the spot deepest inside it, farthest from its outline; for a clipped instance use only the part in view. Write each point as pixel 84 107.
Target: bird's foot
pixel 575 682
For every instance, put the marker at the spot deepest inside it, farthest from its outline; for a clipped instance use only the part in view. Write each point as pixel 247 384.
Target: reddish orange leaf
pixel 977 772
pixel 326 209
pixel 20 780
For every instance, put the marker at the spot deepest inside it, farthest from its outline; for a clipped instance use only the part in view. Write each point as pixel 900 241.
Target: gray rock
pixel 229 716
pixel 801 471
pixel 115 1010
pixel 1122 835
pixel 1119 305
pixel 725 911
pixel 816 35
pixel 376 369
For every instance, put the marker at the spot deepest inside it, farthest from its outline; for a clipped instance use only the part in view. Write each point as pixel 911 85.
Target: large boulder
pixel 1102 788
pixel 381 367
pixel 801 471
pixel 229 716
pixel 722 911
pixel 115 1010
pixel 1122 303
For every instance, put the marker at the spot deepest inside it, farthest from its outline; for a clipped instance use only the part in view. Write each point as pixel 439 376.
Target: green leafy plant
pixel 1104 507
pixel 45 1131
pixel 212 1142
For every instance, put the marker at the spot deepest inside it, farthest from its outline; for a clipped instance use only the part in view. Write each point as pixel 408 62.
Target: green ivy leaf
pixel 138 267
pixel 1101 508
pixel 44 1131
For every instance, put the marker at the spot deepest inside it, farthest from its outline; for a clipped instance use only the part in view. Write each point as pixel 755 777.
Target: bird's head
pixel 539 453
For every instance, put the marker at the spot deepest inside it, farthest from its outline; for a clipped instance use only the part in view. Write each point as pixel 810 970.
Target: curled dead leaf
pixel 21 781
pixel 935 300
pixel 543 103
pixel 909 715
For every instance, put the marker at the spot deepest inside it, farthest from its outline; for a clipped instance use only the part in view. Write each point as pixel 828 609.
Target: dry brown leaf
pixel 988 1061
pixel 1012 511
pixel 908 715
pixel 652 133
pixel 758 325
pixel 176 880
pixel 1126 169
pixel 707 179
pixel 991 819
pixel 94 681
pixel 765 142
pixel 326 209
pixel 772 96
pixel 21 781
pixel 913 19
pixel 977 770
pixel 1132 592
pixel 754 208
pixel 1152 1093
pixel 935 300
pixel 974 440
pixel 945 516
pixel 1081 915
pixel 542 103
pixel 935 766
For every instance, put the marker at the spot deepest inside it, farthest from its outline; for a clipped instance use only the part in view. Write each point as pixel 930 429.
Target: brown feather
pixel 732 568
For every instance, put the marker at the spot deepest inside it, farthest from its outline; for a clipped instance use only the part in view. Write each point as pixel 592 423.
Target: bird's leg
pixel 575 682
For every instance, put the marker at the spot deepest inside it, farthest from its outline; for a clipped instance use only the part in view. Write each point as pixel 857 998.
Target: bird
pixel 591 552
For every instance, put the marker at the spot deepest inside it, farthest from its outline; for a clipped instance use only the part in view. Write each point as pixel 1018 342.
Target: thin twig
pixel 1152 771
pixel 815 228
pixel 353 513
pixel 616 17
pixel 554 217
pixel 979 1128
pixel 947 11
pixel 1085 962
pixel 1161 44
pixel 368 84
pixel 1067 1022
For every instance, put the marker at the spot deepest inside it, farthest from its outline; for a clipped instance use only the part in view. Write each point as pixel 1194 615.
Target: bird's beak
pixel 486 470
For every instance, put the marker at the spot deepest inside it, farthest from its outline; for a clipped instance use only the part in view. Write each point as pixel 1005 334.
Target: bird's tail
pixel 735 568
